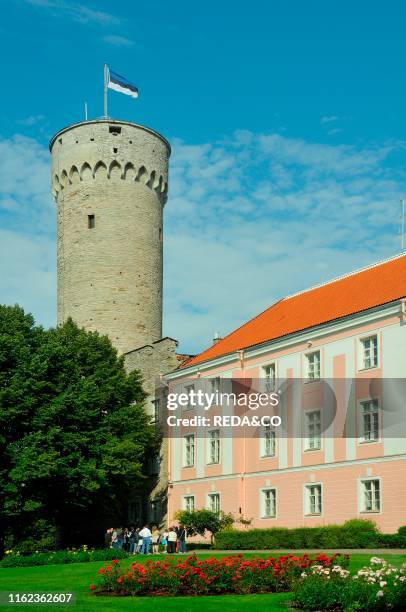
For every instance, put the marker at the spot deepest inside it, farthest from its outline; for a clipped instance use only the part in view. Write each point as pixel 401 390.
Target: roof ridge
pixel 337 278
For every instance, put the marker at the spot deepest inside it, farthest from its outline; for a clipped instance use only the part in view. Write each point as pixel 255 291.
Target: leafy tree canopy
pixel 197 522
pixel 74 434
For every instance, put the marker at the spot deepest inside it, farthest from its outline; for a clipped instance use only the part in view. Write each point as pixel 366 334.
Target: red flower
pixel 101 571
pixel 92 587
pixel 108 568
pixel 115 561
pixel 119 580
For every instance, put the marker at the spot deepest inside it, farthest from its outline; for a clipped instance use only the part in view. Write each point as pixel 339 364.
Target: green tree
pixel 74 435
pixel 197 522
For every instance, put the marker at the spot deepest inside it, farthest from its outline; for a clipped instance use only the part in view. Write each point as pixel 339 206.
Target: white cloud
pixel 329 119
pixel 261 216
pixel 118 41
pixel 27 217
pixel 334 131
pixel 77 12
pixel 249 219
pixel 31 120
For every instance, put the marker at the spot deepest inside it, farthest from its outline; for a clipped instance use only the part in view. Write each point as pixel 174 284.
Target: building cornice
pixel 290 340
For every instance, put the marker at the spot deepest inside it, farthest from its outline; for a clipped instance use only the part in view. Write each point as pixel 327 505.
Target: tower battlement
pixel 109 180
pixel 106 149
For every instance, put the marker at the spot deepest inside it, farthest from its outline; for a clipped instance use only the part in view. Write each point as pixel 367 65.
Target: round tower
pixel 109 179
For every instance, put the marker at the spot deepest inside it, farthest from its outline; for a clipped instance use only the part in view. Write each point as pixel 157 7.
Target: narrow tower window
pixel 90 221
pixel 114 129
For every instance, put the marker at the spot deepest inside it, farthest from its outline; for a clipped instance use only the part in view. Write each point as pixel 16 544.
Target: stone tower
pixel 109 179
pixel 110 183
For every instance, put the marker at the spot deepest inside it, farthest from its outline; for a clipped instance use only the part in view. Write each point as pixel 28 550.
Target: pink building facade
pixel 323 470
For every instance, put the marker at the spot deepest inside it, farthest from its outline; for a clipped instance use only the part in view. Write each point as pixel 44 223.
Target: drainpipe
pixel 244 451
pixel 402 313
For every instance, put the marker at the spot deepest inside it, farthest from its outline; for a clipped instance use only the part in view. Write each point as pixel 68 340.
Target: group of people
pixel 146 540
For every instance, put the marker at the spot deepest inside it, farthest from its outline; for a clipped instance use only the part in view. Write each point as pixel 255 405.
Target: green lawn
pixel 77 578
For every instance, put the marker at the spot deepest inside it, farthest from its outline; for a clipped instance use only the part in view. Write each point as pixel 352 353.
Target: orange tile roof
pixel 373 286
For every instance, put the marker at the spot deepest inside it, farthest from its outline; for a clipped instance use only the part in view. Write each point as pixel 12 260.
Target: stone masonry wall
pixel 110 275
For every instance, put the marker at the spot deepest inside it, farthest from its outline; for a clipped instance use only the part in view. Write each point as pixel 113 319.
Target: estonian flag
pixel 121 84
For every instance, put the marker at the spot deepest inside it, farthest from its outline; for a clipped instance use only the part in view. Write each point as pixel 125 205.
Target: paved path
pixel 349 551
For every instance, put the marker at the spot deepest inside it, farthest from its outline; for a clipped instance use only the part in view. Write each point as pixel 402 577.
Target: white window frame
pixel 215 384
pixel 310 373
pixel 263 493
pixel 361 499
pixel 269 377
pixel 307 499
pixel 186 503
pixel 186 464
pixel 263 442
pixel 187 388
pixel 211 495
pixel 306 415
pixel 213 436
pixel 362 439
pixel 362 359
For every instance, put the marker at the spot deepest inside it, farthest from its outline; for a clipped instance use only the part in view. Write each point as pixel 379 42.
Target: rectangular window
pixel 270 377
pixel 90 221
pixel 156 403
pixel 313 499
pixel 370 421
pixel 371 490
pixel 189 451
pixel 268 441
pixel 215 384
pixel 188 389
pixel 214 502
pixel 369 352
pixel 189 503
pixel 213 451
pixel 269 503
pixel 313 365
pixel 114 129
pixel 313 430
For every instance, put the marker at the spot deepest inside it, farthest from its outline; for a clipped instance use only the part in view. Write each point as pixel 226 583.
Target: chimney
pixel 216 338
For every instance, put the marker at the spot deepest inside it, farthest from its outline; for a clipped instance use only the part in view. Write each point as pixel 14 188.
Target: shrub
pixel 379 586
pixel 197 522
pixel 194 576
pixel 82 555
pixel 402 531
pixel 392 540
pixel 356 533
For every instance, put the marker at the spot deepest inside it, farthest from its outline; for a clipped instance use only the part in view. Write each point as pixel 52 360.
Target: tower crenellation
pixel 109 179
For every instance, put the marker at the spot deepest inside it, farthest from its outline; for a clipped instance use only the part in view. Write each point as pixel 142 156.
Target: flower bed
pixel 379 586
pixel 214 576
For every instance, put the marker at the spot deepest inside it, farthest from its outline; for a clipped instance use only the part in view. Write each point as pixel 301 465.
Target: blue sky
pixel 288 133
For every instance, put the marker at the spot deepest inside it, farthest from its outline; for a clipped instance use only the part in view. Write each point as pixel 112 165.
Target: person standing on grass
pixel 107 537
pixel 120 538
pixel 182 539
pixel 114 538
pixel 165 541
pixel 132 540
pixel 139 541
pixel 126 545
pixel 172 538
pixel 145 534
pixel 155 538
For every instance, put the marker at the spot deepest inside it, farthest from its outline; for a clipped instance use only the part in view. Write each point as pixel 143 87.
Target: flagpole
pixel 106 80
